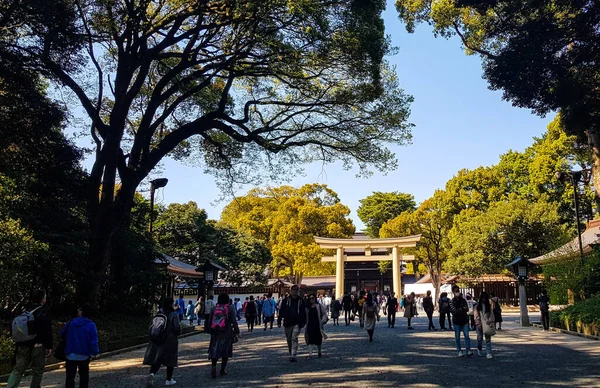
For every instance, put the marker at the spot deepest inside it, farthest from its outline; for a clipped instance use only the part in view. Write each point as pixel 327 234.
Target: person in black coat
pixel 347 306
pixel 293 314
pixel 460 319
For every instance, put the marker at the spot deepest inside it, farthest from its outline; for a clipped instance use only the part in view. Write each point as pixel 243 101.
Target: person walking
pixel 81 344
pixel 208 305
pixel 189 312
pixel 484 323
pixel 223 330
pixel 471 303
pixel 444 310
pixel 336 307
pixel 293 314
pixel 327 304
pixel 259 302
pixel 359 309
pixel 497 310
pixel 428 307
pixel 410 309
pixel 181 307
pixel 370 315
pixel 163 346
pixel 250 313
pixel 391 306
pixel 199 308
pixel 544 303
pixel 32 351
pixel 460 319
pixel 347 306
pixel 238 308
pixel 316 317
pixel 268 310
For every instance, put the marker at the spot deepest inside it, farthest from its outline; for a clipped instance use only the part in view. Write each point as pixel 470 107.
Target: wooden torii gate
pixel 368 245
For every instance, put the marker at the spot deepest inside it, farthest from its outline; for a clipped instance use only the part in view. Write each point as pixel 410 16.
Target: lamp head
pixel 160 182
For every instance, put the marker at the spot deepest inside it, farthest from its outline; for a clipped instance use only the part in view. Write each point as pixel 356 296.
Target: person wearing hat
pixel 293 314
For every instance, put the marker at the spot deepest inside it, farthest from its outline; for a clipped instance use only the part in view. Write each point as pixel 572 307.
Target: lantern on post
pixel 520 268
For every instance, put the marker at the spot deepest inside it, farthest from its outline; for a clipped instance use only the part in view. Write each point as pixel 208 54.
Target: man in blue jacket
pixel 268 310
pixel 81 344
pixel 181 307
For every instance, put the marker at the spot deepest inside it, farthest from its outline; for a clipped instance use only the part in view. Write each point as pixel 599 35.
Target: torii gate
pixel 340 243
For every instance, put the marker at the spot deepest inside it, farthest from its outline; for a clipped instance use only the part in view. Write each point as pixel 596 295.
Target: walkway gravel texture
pixel 398 357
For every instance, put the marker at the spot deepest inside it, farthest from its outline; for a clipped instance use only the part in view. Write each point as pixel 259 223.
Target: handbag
pixel 487 329
pixel 59 351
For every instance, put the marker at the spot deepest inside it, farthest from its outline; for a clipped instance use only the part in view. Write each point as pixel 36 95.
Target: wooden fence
pixel 507 292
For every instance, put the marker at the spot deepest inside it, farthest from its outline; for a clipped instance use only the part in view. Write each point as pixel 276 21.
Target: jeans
pixel 465 330
pixel 488 341
pixel 84 373
pixel 347 316
pixel 546 319
pixel 291 334
pixel 25 355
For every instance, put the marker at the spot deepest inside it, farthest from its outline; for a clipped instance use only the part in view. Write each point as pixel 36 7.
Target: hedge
pixel 582 317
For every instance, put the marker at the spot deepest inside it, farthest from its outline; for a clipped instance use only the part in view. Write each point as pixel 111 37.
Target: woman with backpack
pixel 370 315
pixel 163 346
pixel 444 307
pixel 250 313
pixel 223 329
pixel 485 324
pixel 316 317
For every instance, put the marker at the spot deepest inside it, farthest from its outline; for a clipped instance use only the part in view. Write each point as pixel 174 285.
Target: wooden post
pixel 396 271
pixel 339 271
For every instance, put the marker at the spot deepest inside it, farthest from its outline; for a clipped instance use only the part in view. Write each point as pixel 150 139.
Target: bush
pixel 582 279
pixel 582 317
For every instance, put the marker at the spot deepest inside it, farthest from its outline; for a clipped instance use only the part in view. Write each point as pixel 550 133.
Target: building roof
pixel 446 279
pixel 179 268
pixel 318 281
pixel 570 251
pixel 485 278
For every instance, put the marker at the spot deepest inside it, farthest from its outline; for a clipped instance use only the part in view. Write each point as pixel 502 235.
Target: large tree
pixel 432 220
pixel 542 54
pixel 253 87
pixel 379 207
pixel 286 219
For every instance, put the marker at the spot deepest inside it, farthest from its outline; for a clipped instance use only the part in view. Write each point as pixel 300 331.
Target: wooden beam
pixel 400 242
pixel 332 259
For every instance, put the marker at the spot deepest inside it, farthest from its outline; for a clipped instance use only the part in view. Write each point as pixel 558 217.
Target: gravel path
pixel 397 357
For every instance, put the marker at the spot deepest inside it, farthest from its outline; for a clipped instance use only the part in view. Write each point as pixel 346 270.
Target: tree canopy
pixel 286 219
pixel 250 88
pixel 380 207
pixel 543 55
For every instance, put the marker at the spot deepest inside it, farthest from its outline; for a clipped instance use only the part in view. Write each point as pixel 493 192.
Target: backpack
pixel 158 329
pixel 23 326
pixel 497 308
pixel 371 311
pixel 544 305
pixel 445 305
pixel 219 319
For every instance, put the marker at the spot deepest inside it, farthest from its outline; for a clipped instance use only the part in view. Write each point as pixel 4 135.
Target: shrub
pixel 582 317
pixel 582 279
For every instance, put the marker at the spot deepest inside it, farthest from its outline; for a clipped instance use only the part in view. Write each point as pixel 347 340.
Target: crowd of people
pixel 32 330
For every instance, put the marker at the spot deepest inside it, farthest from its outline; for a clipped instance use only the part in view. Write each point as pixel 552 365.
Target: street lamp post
pixel 154 184
pixel 520 267
pixel 574 177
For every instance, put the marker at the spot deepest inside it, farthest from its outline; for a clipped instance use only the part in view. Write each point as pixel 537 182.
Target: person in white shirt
pixel 238 308
pixel 327 303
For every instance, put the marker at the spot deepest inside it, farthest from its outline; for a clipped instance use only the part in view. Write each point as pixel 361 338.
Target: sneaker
pixel 460 353
pixel 469 353
pixel 479 353
pixel 293 359
pixel 489 356
pixel 150 380
pixel 170 382
pixel 319 355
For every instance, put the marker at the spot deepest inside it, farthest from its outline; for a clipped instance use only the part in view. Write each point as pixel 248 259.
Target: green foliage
pixel 484 242
pixel 582 279
pixel 183 231
pixel 541 54
pixel 286 219
pixel 379 207
pixel 586 312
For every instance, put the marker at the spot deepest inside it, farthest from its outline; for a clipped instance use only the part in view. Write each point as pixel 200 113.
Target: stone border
pixel 558 330
pixel 58 365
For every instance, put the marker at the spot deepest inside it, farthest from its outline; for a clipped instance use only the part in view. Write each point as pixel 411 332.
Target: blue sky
pixel 459 123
